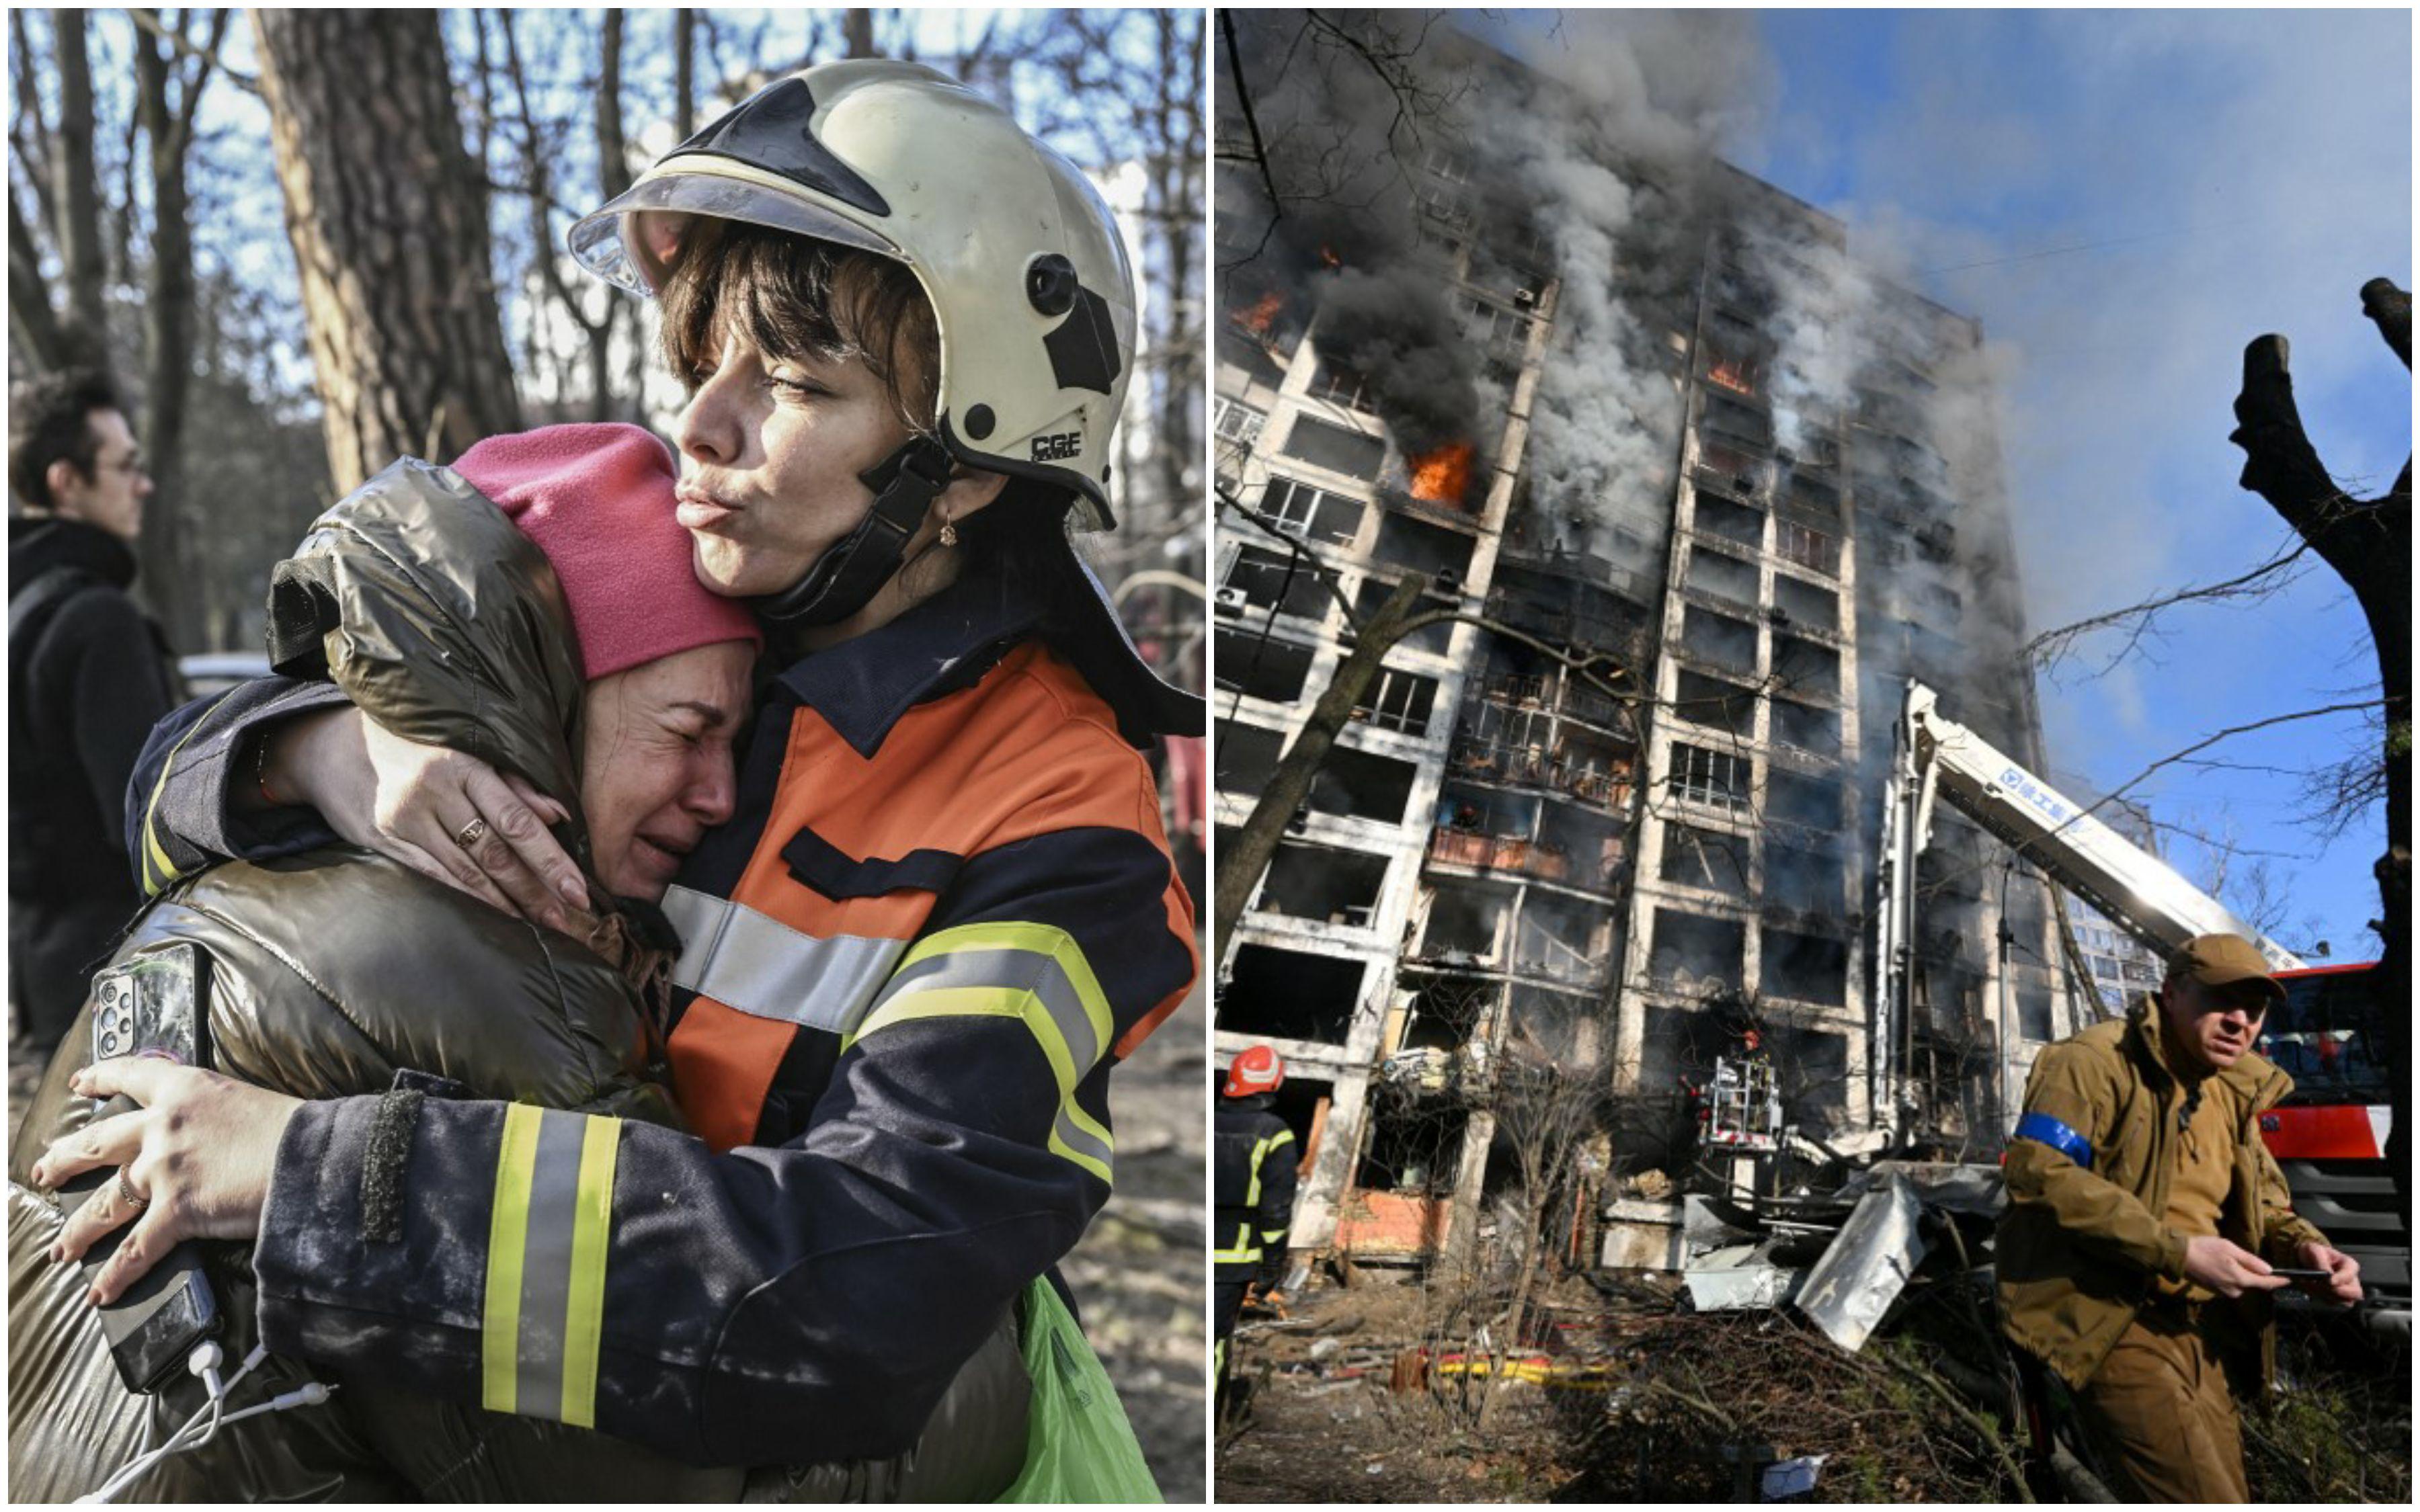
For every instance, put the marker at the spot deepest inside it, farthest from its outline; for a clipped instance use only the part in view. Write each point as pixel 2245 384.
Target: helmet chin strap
pixel 845 578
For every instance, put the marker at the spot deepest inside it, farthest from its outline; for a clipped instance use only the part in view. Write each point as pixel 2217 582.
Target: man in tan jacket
pixel 2144 1220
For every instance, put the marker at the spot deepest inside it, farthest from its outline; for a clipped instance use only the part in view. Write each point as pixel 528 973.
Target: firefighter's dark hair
pixel 49 420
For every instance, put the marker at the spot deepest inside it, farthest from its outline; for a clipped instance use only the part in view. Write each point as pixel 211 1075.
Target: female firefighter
pixel 943 909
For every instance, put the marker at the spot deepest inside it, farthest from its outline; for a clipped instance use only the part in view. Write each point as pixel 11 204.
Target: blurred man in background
pixel 88 675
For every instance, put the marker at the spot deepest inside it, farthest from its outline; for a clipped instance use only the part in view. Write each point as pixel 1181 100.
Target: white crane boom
pixel 1933 755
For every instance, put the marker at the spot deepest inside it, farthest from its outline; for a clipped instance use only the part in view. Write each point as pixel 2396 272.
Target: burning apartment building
pixel 1716 491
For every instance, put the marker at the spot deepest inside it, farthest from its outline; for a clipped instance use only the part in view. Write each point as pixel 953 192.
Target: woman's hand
pixel 414 802
pixel 198 1154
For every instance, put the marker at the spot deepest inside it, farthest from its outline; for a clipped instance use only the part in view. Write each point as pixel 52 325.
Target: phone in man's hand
pixel 153 1003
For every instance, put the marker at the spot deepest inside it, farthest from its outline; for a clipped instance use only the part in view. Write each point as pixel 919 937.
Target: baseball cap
pixel 2221 959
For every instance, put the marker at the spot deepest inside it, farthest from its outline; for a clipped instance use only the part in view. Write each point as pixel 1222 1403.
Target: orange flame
pixel 1261 314
pixel 1443 477
pixel 1737 377
pixel 1327 255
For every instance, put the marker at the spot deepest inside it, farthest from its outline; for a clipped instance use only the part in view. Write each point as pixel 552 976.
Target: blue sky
pixel 2227 174
pixel 2125 199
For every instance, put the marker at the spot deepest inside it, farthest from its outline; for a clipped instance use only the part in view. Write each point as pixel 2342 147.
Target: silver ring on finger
pixel 126 1193
pixel 472 833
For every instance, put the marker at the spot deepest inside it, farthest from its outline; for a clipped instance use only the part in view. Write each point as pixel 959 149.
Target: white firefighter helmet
pixel 1027 273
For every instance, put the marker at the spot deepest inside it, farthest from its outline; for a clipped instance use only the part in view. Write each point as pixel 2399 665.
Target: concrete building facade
pixel 1666 858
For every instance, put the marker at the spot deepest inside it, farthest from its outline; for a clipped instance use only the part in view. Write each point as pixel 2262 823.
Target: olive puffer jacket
pixel 2083 1243
pixel 327 973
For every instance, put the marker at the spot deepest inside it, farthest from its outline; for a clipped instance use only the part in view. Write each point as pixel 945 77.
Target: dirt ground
pixel 1686 1409
pixel 1136 1275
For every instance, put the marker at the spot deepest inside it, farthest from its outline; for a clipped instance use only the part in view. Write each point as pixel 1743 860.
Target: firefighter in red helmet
pixel 1251 1180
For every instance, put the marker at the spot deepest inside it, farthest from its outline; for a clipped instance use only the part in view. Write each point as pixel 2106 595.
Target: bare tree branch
pixel 205 53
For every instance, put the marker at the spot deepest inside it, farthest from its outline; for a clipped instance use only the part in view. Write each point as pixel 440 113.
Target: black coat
pixel 90 674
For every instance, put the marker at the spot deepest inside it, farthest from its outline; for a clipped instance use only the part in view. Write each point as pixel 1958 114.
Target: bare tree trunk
pixel 34 329
pixel 387 212
pixel 859 32
pixel 168 321
pixel 77 193
pixel 614 176
pixel 684 75
pixel 2368 543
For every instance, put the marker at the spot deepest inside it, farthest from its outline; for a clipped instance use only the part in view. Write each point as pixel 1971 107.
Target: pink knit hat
pixel 597 499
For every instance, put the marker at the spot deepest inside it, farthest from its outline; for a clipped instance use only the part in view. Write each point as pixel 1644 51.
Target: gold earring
pixel 949 533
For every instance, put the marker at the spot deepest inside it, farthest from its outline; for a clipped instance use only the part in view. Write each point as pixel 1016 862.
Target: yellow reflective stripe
pixel 1042 939
pixel 958 973
pixel 499 1324
pixel 600 1148
pixel 155 858
pixel 1243 1249
pixel 1260 1153
pixel 1270 1236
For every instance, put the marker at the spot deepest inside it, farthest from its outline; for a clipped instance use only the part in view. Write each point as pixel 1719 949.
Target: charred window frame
pixel 1706 858
pixel 1257 579
pixel 1338 384
pixel 1335 448
pixel 1238 422
pixel 1262 667
pixel 1807 548
pixel 1716 779
pixel 1319 514
pixel 1247 756
pixel 1399 701
pixel 1714 704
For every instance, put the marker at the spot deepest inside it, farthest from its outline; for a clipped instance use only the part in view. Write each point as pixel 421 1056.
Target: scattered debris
pixel 1865 1269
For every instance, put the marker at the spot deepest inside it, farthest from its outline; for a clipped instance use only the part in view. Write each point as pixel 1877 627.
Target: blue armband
pixel 2044 1130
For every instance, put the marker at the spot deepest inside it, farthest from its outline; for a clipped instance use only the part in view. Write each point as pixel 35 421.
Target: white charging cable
pixel 204 1362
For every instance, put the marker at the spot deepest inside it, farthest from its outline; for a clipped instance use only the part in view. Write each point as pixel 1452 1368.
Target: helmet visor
pixel 633 241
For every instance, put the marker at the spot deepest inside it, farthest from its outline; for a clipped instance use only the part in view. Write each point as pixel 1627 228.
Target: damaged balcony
pixel 1535 936
pixel 1574 763
pixel 1483 831
pixel 1400 1204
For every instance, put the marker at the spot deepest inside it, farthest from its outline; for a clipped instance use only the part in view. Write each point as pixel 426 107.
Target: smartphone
pixel 153 1003
pixel 2292 1274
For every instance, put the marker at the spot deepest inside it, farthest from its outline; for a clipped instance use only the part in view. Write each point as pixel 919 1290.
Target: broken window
pixel 1290 994
pixel 1465 925
pixel 1413 1148
pixel 1335 448
pixel 1809 967
pixel 1731 418
pixel 1731 521
pixel 1807 726
pixel 1338 384
pixel 1319 882
pixel 1803 879
pixel 1726 642
pixel 1811 1069
pixel 1422 546
pixel 1806 668
pixel 1401 700
pixel 1707 859
pixel 1714 704
pixel 1807 547
pixel 1257 579
pixel 1723 575
pixel 1262 667
pixel 1433 638
pixel 1562 939
pixel 1446 1011
pixel 1317 515
pixel 1805 603
pixel 1696 955
pixel 1811 802
pixel 1247 756
pixel 1814 494
pixel 1714 778
pixel 2033 1013
pixel 1358 785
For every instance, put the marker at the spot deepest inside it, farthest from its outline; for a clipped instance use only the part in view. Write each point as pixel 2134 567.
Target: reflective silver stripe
pixel 761 967
pixel 546 1265
pixel 1082 1141
pixel 1021 971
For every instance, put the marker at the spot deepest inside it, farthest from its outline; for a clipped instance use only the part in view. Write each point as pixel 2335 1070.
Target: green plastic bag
pixel 1079 1445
